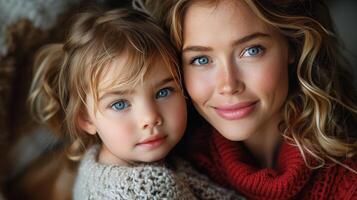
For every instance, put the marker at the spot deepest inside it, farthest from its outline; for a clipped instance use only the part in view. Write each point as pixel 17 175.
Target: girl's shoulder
pixel 142 181
pixel 200 184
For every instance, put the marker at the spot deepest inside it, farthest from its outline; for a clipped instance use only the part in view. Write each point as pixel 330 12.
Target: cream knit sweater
pixel 144 181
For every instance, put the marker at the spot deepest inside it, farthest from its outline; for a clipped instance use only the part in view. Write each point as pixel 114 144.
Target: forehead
pixel 228 9
pixel 226 18
pixel 125 73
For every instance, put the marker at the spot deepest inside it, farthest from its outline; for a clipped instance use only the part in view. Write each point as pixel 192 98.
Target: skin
pixel 236 72
pixel 126 118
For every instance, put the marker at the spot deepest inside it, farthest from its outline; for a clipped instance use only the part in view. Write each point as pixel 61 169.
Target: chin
pixel 234 134
pixel 154 157
pixel 234 138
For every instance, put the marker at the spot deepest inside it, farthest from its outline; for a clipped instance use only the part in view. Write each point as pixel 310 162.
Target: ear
pixel 86 124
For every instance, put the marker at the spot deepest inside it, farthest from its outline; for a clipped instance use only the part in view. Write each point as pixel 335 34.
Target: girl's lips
pixel 236 111
pixel 152 142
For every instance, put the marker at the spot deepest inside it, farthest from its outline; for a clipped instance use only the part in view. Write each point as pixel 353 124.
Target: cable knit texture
pixel 230 164
pixel 144 181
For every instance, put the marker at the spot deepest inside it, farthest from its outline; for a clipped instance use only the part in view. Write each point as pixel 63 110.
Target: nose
pixel 150 117
pixel 228 80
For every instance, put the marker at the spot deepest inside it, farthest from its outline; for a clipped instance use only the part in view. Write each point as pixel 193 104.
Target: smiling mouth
pixel 236 111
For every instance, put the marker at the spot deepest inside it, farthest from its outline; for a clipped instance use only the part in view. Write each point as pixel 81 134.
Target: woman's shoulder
pixel 338 181
pixel 346 177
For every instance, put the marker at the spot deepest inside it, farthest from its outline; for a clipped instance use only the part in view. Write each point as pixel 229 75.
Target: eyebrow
pixel 235 43
pixel 166 80
pixel 114 93
pixel 124 92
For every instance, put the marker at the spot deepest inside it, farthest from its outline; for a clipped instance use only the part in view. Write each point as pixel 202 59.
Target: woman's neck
pixel 264 144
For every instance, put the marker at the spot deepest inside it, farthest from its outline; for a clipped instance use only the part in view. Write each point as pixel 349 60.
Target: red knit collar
pixel 231 164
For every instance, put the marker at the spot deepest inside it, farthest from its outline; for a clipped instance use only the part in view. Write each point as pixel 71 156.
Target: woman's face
pixel 235 68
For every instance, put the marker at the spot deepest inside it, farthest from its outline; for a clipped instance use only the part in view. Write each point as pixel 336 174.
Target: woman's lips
pixel 152 142
pixel 236 111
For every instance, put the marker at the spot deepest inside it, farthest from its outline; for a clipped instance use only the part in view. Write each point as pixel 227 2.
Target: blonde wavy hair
pixel 320 113
pixel 66 72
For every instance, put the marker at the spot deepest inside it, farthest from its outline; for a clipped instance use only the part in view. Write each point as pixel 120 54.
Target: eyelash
pixel 126 104
pixel 169 89
pixel 194 59
pixel 260 48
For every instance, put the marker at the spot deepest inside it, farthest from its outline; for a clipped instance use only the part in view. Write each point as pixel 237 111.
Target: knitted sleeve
pixel 201 185
pixel 96 181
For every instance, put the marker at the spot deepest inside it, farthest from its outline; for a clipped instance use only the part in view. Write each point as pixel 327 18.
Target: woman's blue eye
pixel 202 60
pixel 163 92
pixel 253 51
pixel 120 105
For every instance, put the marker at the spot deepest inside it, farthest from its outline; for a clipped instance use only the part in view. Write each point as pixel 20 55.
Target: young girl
pixel 269 78
pixel 113 87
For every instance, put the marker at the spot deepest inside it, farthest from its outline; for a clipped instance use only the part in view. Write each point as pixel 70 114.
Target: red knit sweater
pixel 230 164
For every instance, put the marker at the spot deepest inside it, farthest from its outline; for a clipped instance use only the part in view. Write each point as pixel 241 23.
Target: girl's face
pixel 235 68
pixel 140 124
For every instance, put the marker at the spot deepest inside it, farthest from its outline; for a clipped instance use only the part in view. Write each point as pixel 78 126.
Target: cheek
pixel 199 85
pixel 176 114
pixel 272 81
pixel 116 127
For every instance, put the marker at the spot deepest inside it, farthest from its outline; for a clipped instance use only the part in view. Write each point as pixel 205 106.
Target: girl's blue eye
pixel 163 93
pixel 202 60
pixel 253 51
pixel 120 105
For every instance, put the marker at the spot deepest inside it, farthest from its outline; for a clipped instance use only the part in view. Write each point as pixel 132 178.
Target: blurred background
pixel 344 14
pixel 33 163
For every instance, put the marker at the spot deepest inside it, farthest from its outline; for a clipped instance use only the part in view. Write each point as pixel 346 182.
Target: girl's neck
pixel 106 157
pixel 264 144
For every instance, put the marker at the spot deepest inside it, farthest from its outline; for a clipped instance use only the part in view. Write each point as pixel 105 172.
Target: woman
pixel 269 79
